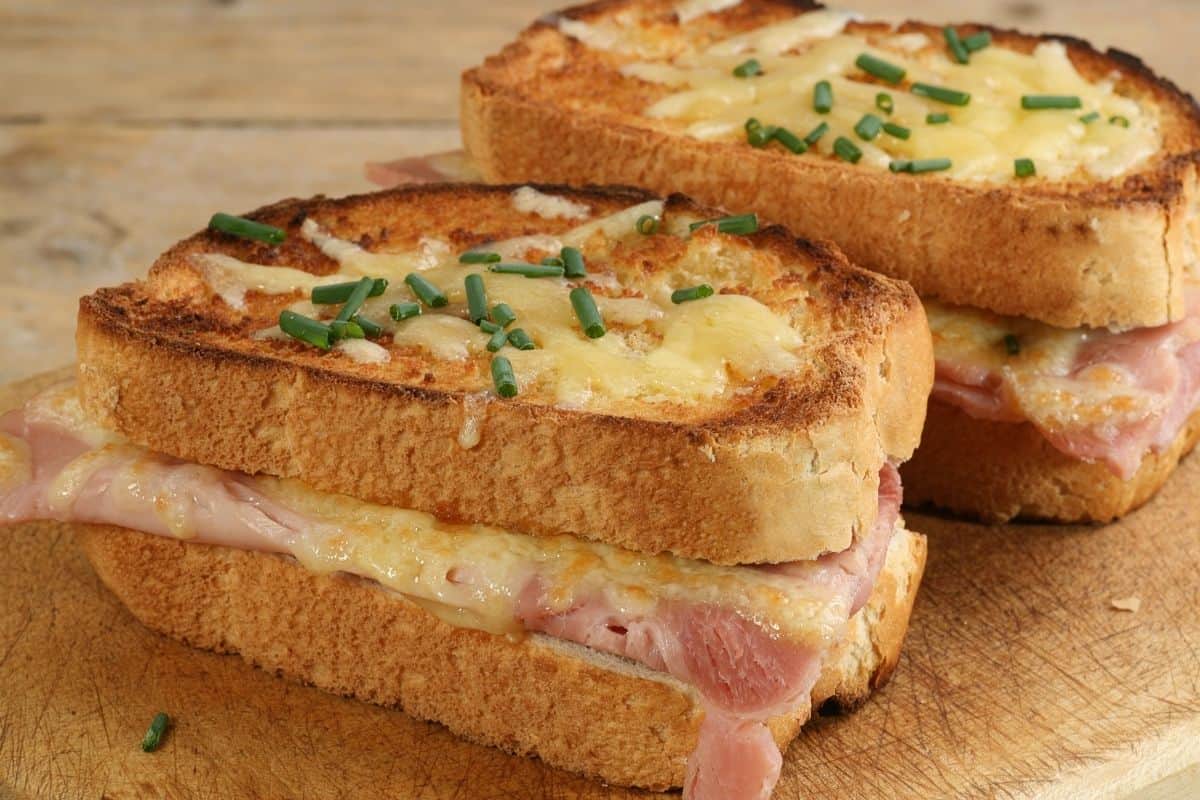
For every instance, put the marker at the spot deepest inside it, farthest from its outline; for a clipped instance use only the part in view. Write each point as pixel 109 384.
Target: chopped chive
pixel 1117 119
pixel 551 261
pixel 499 338
pixel 1042 102
pixel 519 339
pixel 885 103
pixel 941 94
pixel 899 165
pixel 357 297
pixel 425 291
pixel 487 326
pixel 760 135
pixel 879 68
pixel 748 69
pixel 977 41
pixel 868 127
pixel 691 293
pixel 401 311
pixel 589 316
pixel 154 733
pixel 246 229
pixel 847 150
pixel 1024 168
pixel 823 97
pixel 752 122
pixel 479 257
pixel 898 131
pixel 741 224
pixel 790 140
pixel 306 329
pixel 928 165
pixel 647 225
pixel 957 48
pixel 572 261
pixel 333 293
pixel 937 118
pixel 503 315
pixel 1012 345
pixel 503 378
pixel 816 133
pixel 529 270
pixel 476 297
pixel 1090 117
pixel 346 329
pixel 368 327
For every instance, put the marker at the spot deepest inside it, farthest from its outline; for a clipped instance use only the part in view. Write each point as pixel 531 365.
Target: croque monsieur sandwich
pixel 583 474
pixel 1040 196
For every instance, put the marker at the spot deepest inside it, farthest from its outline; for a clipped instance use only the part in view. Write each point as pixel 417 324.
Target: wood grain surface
pixel 1020 680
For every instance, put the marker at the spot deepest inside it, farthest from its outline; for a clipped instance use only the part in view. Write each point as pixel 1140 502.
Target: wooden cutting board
pixel 1020 679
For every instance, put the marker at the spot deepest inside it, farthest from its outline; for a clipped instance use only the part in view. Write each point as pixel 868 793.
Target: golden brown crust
pixel 175 370
pixel 1070 254
pixel 573 708
pixel 997 471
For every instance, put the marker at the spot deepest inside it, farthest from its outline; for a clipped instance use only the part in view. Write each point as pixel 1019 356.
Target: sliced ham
pixel 451 166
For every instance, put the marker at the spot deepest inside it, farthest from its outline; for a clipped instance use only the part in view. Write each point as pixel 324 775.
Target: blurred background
pixel 124 125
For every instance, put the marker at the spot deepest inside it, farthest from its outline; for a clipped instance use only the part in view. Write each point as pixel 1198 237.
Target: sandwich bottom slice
pixel 643 670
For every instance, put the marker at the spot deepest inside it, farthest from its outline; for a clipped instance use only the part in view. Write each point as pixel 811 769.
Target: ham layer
pixel 750 639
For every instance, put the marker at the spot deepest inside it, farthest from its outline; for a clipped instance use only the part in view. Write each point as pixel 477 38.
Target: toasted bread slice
pixel 1071 250
pixel 573 707
pixel 997 471
pixel 778 467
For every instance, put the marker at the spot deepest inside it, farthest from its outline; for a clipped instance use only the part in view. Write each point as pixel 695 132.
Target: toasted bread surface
pixel 997 471
pixel 1069 253
pixel 782 469
pixel 574 708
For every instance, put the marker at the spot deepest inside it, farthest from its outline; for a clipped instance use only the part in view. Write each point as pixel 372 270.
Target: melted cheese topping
pixel 654 351
pixel 528 200
pixel 982 139
pixel 691 9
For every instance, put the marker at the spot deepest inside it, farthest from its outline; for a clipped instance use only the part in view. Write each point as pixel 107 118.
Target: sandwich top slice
pixel 690 377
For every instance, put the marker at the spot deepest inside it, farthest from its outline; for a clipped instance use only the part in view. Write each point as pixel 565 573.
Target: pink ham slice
pixel 451 166
pixel 1164 360
pixel 742 674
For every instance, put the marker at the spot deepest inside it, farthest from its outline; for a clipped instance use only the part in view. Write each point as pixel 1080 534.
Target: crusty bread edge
pixel 997 471
pixel 574 708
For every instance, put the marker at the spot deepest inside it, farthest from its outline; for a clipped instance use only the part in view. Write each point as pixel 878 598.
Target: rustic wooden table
pixel 124 125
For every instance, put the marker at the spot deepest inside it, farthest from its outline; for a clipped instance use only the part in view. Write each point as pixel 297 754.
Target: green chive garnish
pixel 1024 168
pixel 503 315
pixel 401 311
pixel 1090 117
pixel 519 339
pixel 552 261
pixel 899 165
pixel 885 103
pixel 572 261
pixel 758 135
pixel 957 48
pixel 823 97
pixel 503 378
pixel 487 326
pixel 306 329
pixel 868 127
pixel 476 297
pixel 941 94
pixel 529 270
pixel 879 68
pixel 691 293
pixel 846 150
pixel 977 41
pixel 478 257
pixel 1012 345
pixel 354 302
pixel 1041 102
pixel 497 341
pixel 368 327
pixel 899 131
pixel 741 224
pixel 154 733
pixel 816 133
pixel 937 118
pixel 790 140
pixel 246 229
pixel 589 316
pixel 334 293
pixel 647 225
pixel 747 69
pixel 928 165
pixel 347 329
pixel 425 291
pixel 1117 119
